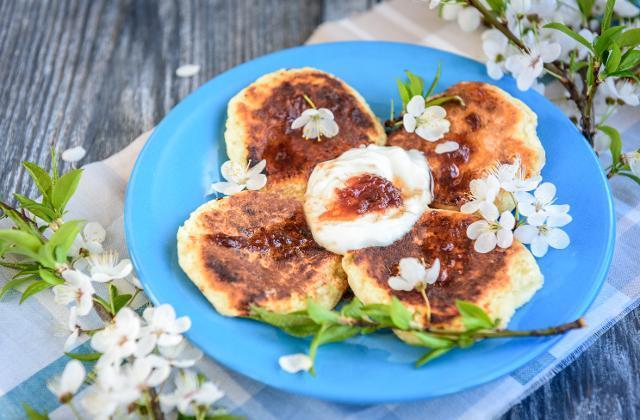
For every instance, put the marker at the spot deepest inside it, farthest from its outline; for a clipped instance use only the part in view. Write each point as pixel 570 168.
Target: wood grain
pixel 98 73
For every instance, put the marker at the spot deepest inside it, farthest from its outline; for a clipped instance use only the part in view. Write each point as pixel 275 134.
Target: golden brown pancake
pixel 499 281
pixel 492 127
pixel 255 248
pixel 260 117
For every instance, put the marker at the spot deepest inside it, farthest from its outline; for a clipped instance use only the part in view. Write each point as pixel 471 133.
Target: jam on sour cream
pixel 368 196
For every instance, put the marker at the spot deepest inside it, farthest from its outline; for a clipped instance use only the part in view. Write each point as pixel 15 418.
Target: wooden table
pixel 97 73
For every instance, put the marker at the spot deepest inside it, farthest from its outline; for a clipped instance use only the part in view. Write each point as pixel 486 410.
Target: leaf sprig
pixel 355 318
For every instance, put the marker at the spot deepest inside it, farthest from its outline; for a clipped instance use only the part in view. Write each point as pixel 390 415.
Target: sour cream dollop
pixel 368 196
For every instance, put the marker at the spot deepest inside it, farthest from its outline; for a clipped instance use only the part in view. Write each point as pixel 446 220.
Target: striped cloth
pixel 31 350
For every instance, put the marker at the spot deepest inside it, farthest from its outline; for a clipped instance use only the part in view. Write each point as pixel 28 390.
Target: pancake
pixel 254 248
pixel 260 117
pixel 499 281
pixel 493 127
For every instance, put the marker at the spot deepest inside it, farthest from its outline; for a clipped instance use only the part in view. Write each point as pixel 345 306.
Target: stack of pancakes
pixel 255 248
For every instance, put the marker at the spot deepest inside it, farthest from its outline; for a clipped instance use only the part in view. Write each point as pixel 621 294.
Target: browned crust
pixel 263 113
pixel 235 278
pixel 491 128
pixel 465 274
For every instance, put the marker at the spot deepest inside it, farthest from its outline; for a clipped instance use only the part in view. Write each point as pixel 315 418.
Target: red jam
pixel 281 241
pixel 363 194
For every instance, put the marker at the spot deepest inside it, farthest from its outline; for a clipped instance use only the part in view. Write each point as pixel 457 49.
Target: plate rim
pixel 337 397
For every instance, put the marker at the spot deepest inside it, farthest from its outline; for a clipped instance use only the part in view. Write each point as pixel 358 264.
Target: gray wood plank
pixel 98 73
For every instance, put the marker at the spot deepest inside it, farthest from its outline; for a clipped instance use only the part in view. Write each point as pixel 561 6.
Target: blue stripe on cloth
pixel 533 368
pixel 34 391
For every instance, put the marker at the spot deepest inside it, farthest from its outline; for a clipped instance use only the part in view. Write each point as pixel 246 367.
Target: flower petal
pixel 301 121
pixel 545 193
pixel 470 207
pixel 94 232
pixel 504 238
pixel 73 154
pixel 398 283
pixel 325 114
pixel 558 220
pixel 227 188
pixel 435 112
pixel 475 229
pixel 409 123
pixel 294 363
pixel 525 233
pixel 329 128
pixel 488 210
pixel 257 168
pixel 416 106
pixel 434 131
pixel 412 270
pixel 486 242
pixel 557 238
pixel 433 272
pixel 539 246
pixel 507 221
pixel 447 147
pixel 256 182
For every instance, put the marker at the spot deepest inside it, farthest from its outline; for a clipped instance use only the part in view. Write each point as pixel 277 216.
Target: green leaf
pixel 85 357
pixel 34 288
pixel 569 32
pixel 337 332
pixel 32 414
pixel 585 7
pixel 50 277
pixel 630 38
pixel 497 6
pixel 293 319
pixel 603 42
pixel 432 341
pixel 613 61
pixel 616 141
pixel 40 210
pixel 630 176
pixel 400 315
pixel 40 177
pixel 430 355
pixel 608 12
pixel 403 92
pixel 352 309
pixel 65 236
pixel 14 284
pixel 590 75
pixel 54 164
pixel 416 84
pixel 100 301
pixel 380 313
pixel 120 301
pixel 473 316
pixel 444 99
pixel 304 330
pixel 434 83
pixel 64 188
pixel 321 315
pixel 630 59
pixel 21 239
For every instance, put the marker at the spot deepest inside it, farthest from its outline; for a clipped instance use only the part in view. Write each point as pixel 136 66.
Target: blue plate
pixel 183 157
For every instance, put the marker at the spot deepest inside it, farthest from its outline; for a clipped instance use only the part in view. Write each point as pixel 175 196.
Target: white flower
pixel 182 355
pixel 447 147
pixel 633 160
pixel 119 338
pixel 105 266
pixel 494 45
pixel 526 68
pixel 77 290
pixel 111 391
pixel 147 372
pixel 316 123
pixel 469 19
pixel 542 235
pixel 489 233
pixel 72 325
pixel 430 123
pixel 434 4
pixel 163 328
pixel 90 240
pixel 190 393
pixel 239 177
pixel 512 177
pixel 539 206
pixel 187 70
pixel 294 363
pixel 483 195
pixel 66 385
pixel 413 274
pixel 520 7
pixel 73 154
pixel 626 91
